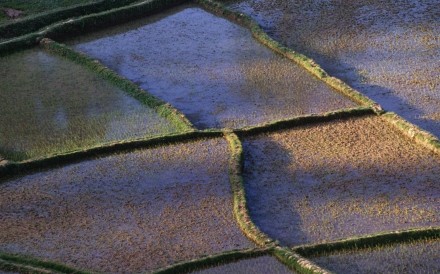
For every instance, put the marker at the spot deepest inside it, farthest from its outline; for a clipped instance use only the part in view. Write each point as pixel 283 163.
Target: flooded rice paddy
pixel 50 105
pixel 388 50
pixel 124 213
pixel 210 69
pixel 415 257
pixel 260 265
pixel 339 179
pixel 151 208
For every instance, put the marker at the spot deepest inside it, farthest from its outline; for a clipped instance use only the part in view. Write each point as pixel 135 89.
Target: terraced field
pixel 388 50
pixel 181 137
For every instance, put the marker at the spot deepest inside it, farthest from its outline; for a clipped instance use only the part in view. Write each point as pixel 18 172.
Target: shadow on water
pixel 268 193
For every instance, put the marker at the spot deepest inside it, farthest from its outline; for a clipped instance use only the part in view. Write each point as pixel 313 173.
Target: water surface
pixel 210 69
pixel 387 49
pixel 129 212
pixel 51 105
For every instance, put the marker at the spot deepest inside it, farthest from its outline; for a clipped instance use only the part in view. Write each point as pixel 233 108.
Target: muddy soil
pixel 210 69
pixel 50 105
pixel 416 257
pixel 389 50
pixel 130 212
pixel 259 265
pixel 340 179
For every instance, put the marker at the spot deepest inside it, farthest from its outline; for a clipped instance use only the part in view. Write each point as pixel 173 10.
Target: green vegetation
pixel 414 257
pixel 369 241
pixel 44 13
pixel 33 7
pixel 212 260
pixel 240 204
pixel 260 265
pixel 26 264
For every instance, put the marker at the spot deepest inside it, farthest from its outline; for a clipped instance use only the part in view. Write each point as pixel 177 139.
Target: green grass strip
pixel 28 263
pixel 87 23
pixel 14 168
pixel 212 261
pixel 412 131
pixel 296 262
pixel 23 269
pixel 19 43
pixel 164 109
pixel 305 120
pixel 34 22
pixel 367 241
pixel 306 62
pixel 241 212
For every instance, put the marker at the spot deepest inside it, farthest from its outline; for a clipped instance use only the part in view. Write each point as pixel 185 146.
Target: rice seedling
pixel 414 257
pixel 389 50
pixel 131 212
pixel 262 264
pixel 49 105
pixel 338 179
pixel 210 69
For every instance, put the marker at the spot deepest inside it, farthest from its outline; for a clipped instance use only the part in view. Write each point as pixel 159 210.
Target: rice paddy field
pixel 103 214
pixel 263 264
pixel 171 136
pixel 414 257
pixel 50 105
pixel 210 69
pixel 337 180
pixel 389 50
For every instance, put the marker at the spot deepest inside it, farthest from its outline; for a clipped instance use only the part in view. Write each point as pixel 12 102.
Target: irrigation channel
pixel 171 136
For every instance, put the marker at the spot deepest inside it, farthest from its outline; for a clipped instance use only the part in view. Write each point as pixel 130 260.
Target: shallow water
pixel 340 179
pixel 389 50
pixel 416 257
pixel 132 212
pixel 50 105
pixel 259 265
pixel 210 69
